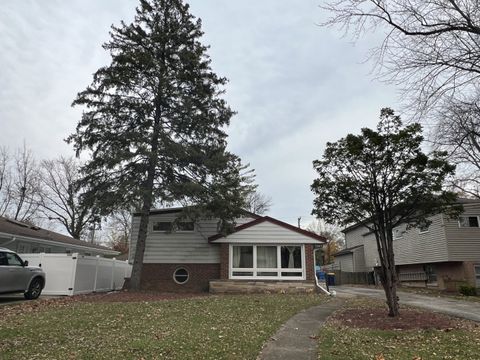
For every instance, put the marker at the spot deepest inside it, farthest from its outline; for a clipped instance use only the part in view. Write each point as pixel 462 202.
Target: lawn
pixel 213 327
pixel 420 335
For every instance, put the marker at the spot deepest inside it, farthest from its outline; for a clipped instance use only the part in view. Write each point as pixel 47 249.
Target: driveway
pixel 11 299
pixel 459 308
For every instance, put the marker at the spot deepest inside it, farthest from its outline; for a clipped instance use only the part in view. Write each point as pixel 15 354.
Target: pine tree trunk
pixel 136 277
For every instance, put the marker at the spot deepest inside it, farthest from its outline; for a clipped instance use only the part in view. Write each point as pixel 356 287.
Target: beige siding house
pixel 446 254
pixel 187 255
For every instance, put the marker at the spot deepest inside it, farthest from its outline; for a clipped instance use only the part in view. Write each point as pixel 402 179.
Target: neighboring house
pixel 24 238
pixel 192 256
pixel 445 254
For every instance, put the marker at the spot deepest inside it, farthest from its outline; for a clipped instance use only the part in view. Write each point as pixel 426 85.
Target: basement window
pixel 180 276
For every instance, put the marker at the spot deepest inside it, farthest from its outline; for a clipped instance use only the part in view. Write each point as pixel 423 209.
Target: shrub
pixel 467 290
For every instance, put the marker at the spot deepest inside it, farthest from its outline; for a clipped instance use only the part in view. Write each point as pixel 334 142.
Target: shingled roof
pixel 18 228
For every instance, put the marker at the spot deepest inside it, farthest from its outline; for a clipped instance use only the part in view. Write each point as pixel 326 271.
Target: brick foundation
pixel 224 260
pixel 159 277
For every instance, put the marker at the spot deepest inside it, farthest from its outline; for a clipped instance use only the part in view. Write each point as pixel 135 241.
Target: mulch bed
pixel 409 319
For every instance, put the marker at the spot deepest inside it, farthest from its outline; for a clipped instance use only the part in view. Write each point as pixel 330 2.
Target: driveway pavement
pixel 11 299
pixel 459 308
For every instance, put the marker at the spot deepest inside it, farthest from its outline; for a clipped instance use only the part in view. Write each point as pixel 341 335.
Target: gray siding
pixel 411 248
pixel 463 243
pixel 179 247
pixel 344 262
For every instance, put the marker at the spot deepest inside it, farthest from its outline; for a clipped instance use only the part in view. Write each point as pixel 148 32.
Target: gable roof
pixel 347 250
pixel 21 229
pixel 262 219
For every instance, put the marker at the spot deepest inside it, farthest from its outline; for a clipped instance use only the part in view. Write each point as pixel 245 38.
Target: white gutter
pixel 317 282
pixel 59 243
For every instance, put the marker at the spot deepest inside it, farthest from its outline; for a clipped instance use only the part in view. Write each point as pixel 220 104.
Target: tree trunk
pixel 389 274
pixel 136 277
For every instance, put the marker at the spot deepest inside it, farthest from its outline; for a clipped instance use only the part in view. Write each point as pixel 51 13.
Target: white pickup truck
pixel 17 277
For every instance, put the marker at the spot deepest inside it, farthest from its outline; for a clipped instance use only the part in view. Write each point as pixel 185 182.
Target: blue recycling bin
pixel 320 275
pixel 331 279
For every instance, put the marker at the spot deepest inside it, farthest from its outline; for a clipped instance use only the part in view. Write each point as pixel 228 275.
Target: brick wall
pixel 224 259
pixel 309 262
pixel 159 277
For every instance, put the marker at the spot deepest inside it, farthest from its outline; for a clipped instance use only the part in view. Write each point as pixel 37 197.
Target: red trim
pixel 260 220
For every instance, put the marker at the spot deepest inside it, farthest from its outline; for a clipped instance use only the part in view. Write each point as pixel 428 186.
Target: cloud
pixel 294 85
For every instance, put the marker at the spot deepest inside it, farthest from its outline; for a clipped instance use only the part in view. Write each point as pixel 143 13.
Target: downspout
pixel 317 282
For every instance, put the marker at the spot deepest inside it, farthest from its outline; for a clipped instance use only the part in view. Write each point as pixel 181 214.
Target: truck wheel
pixel 34 290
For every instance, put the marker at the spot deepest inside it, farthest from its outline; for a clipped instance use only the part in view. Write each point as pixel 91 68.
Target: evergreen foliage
pixel 154 122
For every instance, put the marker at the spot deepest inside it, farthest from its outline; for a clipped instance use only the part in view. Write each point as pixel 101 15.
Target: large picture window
pixel 267 262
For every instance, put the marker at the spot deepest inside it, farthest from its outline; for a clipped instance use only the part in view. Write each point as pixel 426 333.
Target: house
pixel 444 255
pixel 261 254
pixel 25 238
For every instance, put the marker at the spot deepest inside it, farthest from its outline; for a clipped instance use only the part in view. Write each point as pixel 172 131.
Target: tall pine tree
pixel 154 122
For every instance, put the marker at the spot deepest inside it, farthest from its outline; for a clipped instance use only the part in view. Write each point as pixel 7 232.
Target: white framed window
pixel 181 275
pixel 167 226
pixel 422 229
pixel 267 261
pixel 468 221
pixel 397 233
pixel 162 226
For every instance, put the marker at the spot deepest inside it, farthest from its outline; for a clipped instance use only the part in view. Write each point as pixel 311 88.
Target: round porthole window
pixel 180 276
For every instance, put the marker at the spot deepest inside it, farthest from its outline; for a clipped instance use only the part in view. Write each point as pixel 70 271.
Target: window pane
pixel 185 226
pixel 181 275
pixel 468 221
pixel 268 273
pixel 242 273
pixel 473 221
pixel 3 259
pixel 291 257
pixel 243 257
pixel 13 259
pixel 295 274
pixel 162 226
pixel 266 257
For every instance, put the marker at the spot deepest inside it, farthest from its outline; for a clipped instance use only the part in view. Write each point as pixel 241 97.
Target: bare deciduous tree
pixel 458 132
pixel 25 186
pixel 61 198
pixel 333 234
pixel 5 181
pixel 258 203
pixel 431 47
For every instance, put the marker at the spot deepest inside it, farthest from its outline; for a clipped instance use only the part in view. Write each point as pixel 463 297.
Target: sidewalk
pixel 453 307
pixel 297 338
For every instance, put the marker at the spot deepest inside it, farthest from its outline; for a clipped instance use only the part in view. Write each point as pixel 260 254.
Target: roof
pixel 347 250
pixel 6 250
pixel 463 201
pixel 261 219
pixel 18 228
pixel 173 210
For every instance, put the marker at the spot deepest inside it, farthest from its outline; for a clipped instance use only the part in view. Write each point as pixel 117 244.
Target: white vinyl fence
pixel 78 274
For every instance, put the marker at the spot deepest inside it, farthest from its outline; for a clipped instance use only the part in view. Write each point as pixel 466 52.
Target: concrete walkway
pixel 460 308
pixel 297 338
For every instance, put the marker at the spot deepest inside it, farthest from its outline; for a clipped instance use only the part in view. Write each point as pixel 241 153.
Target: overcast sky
pixel 295 85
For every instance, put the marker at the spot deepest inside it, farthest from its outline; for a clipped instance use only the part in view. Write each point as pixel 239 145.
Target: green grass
pixel 339 341
pixel 220 327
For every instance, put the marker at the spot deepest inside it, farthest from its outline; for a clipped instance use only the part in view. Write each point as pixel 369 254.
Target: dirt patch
pixel 409 319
